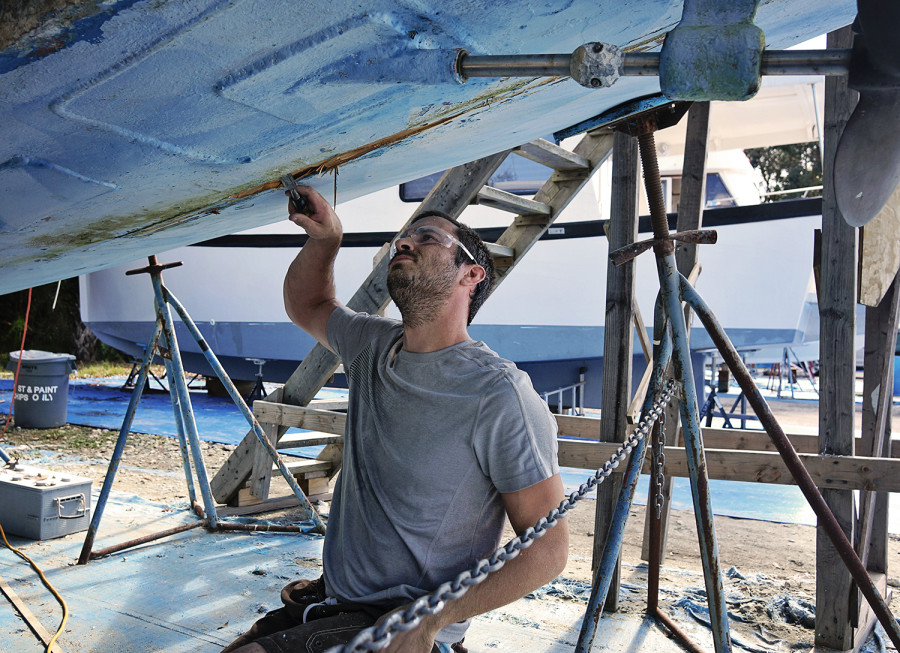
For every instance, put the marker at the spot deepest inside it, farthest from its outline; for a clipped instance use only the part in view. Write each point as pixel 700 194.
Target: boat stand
pixel 671 341
pixel 188 436
pixel 669 320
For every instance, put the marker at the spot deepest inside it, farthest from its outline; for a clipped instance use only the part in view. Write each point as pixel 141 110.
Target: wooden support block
pixel 246 498
pixel 315 486
pixel 333 454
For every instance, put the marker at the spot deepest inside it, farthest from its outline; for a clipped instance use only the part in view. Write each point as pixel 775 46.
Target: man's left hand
pixel 417 640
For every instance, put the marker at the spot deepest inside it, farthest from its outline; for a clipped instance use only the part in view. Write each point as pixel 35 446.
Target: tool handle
pixel 299 203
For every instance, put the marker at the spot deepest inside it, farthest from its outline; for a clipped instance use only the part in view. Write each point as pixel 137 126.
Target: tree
pixel 54 324
pixel 788 167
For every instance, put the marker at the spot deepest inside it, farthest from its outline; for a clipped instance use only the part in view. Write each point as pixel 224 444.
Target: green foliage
pixel 788 167
pixel 56 329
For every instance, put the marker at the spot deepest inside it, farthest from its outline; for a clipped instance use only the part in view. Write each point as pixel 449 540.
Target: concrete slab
pixel 196 591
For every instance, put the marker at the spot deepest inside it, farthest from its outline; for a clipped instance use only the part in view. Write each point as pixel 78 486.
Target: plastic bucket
pixel 42 394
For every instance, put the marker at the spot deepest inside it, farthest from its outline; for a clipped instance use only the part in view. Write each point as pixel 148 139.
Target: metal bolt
pixel 596 83
pixel 598 48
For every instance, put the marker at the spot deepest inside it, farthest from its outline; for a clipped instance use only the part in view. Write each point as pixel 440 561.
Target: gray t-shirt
pixel 431 441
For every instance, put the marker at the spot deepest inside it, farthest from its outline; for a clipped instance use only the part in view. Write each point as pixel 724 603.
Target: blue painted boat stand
pixel 188 437
pixel 673 346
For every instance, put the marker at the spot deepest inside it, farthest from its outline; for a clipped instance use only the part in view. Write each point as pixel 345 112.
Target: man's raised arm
pixel 309 293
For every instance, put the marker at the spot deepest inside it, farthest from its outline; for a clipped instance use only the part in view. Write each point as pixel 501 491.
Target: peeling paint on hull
pixel 134 127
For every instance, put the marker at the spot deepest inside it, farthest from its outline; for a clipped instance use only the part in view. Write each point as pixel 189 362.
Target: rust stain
pixel 340 159
pixel 334 162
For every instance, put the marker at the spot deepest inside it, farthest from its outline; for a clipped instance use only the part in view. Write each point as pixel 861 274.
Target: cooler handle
pixel 77 497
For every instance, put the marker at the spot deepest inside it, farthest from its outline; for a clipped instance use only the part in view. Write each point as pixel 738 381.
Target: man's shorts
pixel 307 623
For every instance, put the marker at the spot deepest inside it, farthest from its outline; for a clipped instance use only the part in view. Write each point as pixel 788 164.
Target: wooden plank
pixel 270 504
pixel 879 252
pixel 261 476
pixel 243 457
pixel 867 617
pixel 311 439
pixel 714 438
pixel 618 343
pixel 28 616
pixel 835 472
pixel 573 426
pixel 878 399
pixel 329 404
pixel 553 156
pixel 837 310
pixel 307 466
pixel 693 184
pixel 300 417
pixel 452 194
pixel 500 199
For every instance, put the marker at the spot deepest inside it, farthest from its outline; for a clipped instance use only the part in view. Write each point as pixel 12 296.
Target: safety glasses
pixel 428 235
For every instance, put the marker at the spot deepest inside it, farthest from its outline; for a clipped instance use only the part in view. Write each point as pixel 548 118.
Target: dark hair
pixel 472 242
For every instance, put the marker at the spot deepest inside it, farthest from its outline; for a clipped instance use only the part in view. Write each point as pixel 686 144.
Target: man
pixel 443 439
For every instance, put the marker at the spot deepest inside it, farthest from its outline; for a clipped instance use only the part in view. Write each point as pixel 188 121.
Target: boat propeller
pixel 867 162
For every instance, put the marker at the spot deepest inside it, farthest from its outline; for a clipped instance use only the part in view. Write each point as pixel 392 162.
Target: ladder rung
pixel 553 156
pixel 500 199
pixel 294 440
pixel 563 176
pixel 502 256
pixel 306 466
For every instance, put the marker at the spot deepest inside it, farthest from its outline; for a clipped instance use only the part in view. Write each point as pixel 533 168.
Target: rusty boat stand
pixel 671 344
pixel 188 437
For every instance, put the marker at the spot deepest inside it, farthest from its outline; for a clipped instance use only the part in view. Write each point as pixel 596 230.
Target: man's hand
pixel 322 222
pixel 418 640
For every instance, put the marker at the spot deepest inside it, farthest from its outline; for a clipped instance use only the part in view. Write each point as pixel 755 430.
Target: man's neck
pixel 433 336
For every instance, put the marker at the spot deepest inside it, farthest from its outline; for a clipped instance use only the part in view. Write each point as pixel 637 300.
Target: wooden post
pixel 881 342
pixel 690 216
pixel 618 336
pixel 835 612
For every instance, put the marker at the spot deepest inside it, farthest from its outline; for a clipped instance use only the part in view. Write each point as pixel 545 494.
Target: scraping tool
pixel 299 203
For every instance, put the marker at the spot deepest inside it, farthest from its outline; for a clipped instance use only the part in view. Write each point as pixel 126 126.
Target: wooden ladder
pixel 246 474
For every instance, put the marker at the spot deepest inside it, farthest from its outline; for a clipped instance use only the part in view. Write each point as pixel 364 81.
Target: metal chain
pixel 659 460
pixel 378 637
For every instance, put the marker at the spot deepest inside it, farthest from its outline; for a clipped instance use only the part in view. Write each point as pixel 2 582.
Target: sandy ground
pixel 775 560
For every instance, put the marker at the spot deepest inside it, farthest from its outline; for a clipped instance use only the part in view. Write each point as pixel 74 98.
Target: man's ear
pixel 474 275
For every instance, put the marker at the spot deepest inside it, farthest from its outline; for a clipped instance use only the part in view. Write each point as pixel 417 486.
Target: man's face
pixel 421 275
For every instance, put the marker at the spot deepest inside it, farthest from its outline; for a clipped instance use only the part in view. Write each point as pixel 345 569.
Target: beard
pixel 420 293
